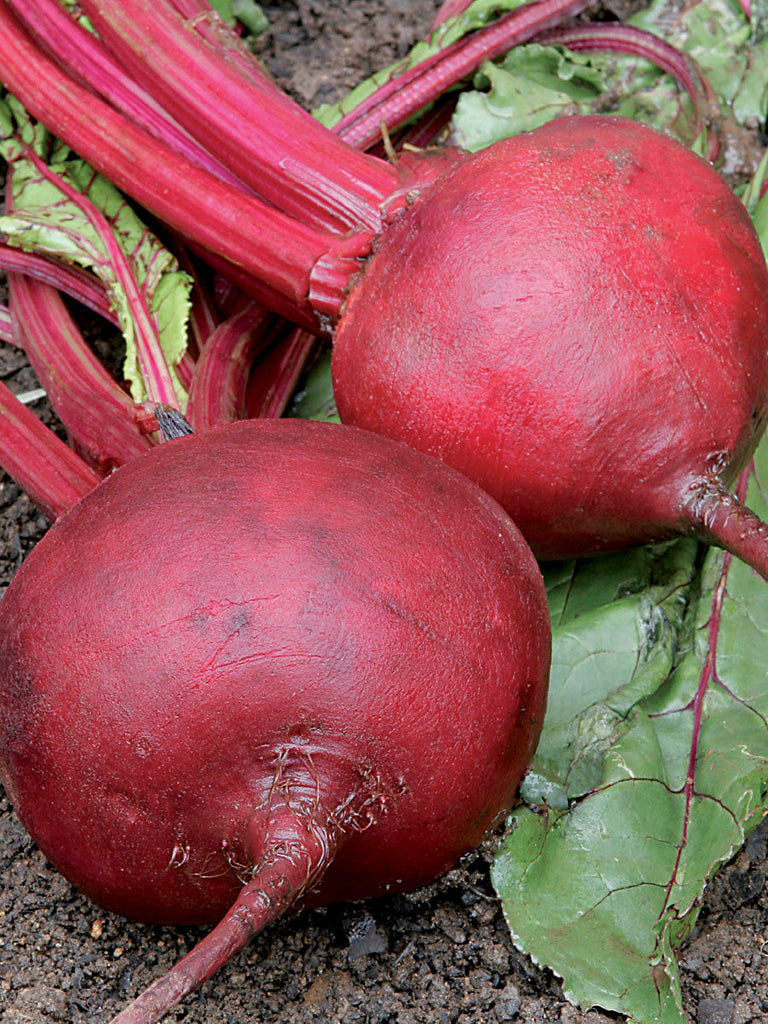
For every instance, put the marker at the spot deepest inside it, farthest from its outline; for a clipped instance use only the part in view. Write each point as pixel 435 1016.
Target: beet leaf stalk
pixel 155 371
pixel 268 140
pixel 54 477
pixel 103 423
pixel 87 59
pixel 75 282
pixel 279 258
pixel 220 378
pixel 410 91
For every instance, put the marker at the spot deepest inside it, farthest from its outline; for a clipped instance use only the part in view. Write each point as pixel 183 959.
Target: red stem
pixel 209 24
pixel 53 476
pixel 696 706
pixel 74 281
pixel 449 9
pixel 276 375
pixel 408 92
pixel 269 141
pixel 220 379
pixel 86 59
pixel 103 422
pixel 276 249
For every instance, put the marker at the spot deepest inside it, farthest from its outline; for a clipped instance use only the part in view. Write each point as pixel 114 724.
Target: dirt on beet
pixel 442 955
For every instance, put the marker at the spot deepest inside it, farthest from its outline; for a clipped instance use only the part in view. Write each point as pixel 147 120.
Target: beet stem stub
pixel 296 854
pixel 722 519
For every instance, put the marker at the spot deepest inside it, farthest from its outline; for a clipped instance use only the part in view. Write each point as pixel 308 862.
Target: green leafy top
pixel 45 220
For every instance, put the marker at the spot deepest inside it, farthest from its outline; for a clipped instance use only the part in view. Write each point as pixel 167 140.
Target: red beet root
pixel 596 358
pixel 576 318
pixel 276 662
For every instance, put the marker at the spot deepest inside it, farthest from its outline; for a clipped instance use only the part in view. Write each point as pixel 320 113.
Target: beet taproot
pixel 275 663
pixel 577 319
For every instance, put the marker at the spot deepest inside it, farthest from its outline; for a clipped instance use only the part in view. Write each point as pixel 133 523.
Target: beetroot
pixel 276 663
pixel 575 318
pixel 596 358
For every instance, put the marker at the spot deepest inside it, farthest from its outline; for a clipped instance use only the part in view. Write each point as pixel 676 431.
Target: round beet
pixel 576 318
pixel 276 662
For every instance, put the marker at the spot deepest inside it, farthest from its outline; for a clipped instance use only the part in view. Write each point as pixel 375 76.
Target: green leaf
pixel 313 399
pixel 45 220
pixel 602 873
pixel 533 85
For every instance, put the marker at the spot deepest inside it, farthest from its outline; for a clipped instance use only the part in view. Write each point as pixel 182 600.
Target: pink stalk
pixel 408 92
pixel 449 9
pixel 154 368
pixel 76 282
pixel 208 23
pixel 53 476
pixel 102 421
pixel 637 41
pixel 269 141
pixel 276 375
pixel 278 255
pixel 87 59
pixel 272 381
pixel 7 326
pixel 217 392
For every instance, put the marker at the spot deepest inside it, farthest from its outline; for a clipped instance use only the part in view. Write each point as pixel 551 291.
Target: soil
pixel 441 955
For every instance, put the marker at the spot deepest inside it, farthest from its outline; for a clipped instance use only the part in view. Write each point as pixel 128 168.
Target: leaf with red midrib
pixel 631 808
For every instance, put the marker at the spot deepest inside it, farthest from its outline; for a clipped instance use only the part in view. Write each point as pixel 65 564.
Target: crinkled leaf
pixel 531 86
pixel 604 882
pixel 717 34
pixel 45 220
pixel 616 622
pixel 535 83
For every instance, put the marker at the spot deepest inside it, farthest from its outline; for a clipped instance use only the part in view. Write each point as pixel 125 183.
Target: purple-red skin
pixel 596 358
pixel 274 614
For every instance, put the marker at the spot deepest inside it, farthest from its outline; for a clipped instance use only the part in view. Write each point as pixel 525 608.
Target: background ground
pixel 438 956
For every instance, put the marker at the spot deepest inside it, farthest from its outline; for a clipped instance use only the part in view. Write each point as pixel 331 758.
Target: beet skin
pixel 270 622
pixel 576 318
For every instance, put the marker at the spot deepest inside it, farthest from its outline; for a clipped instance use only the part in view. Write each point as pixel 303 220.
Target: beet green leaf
pixel 652 770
